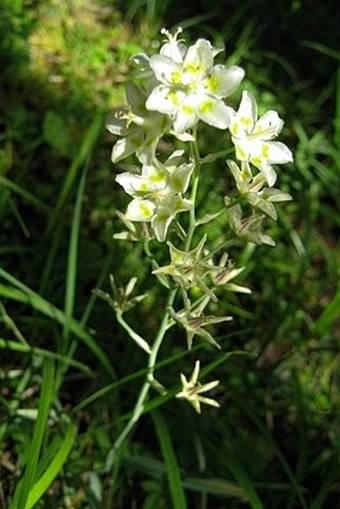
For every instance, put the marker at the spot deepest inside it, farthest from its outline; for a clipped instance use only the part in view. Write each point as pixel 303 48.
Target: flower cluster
pixel 191 87
pixel 185 87
pixel 252 138
pixel 157 192
pixel 188 88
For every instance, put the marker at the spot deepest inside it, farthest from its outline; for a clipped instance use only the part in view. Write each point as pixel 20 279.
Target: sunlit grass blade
pixel 71 275
pixel 46 398
pixel 54 468
pixel 172 469
pixel 50 466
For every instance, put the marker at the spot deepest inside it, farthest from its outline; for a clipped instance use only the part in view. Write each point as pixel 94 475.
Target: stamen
pixel 172 38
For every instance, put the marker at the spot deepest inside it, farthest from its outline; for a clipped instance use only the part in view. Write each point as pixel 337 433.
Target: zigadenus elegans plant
pixel 183 87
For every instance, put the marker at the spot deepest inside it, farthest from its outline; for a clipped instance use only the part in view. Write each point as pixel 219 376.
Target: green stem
pixel 133 335
pixel 192 216
pixel 149 382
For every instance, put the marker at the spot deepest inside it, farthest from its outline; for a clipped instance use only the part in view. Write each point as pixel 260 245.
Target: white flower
pixel 191 87
pixel 192 390
pixel 248 228
pixel 253 191
pixel 157 193
pixel 140 129
pixel 252 137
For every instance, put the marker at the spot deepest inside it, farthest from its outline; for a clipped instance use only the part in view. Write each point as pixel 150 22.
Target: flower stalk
pixel 149 382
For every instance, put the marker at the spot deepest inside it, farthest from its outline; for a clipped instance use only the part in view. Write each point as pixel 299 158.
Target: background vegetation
pixel 68 375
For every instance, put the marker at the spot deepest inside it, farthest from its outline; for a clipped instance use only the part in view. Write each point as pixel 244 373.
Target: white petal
pixel 275 195
pixel 183 136
pixel 131 183
pixel 146 152
pixel 174 159
pixel 199 58
pixel 125 147
pixel 223 80
pixel 141 59
pixel 175 51
pixel 115 124
pixel 268 126
pixel 166 70
pixel 242 149
pixel 156 178
pixel 247 112
pixel 214 112
pixel 140 210
pixel 135 97
pixel 164 99
pixel 186 116
pixel 279 153
pixel 267 207
pixel 268 171
pixel 160 224
pixel 180 178
pixel 179 204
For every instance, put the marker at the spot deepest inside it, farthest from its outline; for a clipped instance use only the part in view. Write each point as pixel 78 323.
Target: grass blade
pixel 46 397
pixel 245 483
pixel 219 487
pixel 15 346
pixel 26 195
pixel 172 469
pixel 71 275
pixel 53 469
pixel 329 314
pixel 21 293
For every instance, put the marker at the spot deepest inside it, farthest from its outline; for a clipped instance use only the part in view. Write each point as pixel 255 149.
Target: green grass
pixel 69 375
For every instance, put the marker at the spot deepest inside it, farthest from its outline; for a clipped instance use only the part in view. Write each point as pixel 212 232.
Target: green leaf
pixel 22 293
pixel 215 487
pixel 54 468
pixel 329 314
pixel 15 346
pixel 245 483
pixel 72 261
pixel 46 397
pixel 172 469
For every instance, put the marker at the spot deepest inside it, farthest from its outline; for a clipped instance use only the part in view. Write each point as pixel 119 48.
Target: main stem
pixel 149 380
pixel 196 175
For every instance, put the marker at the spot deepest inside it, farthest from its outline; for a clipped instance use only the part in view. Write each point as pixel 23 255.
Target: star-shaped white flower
pixel 139 128
pixel 192 390
pixel 253 191
pixel 192 88
pixel 252 137
pixel 157 193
